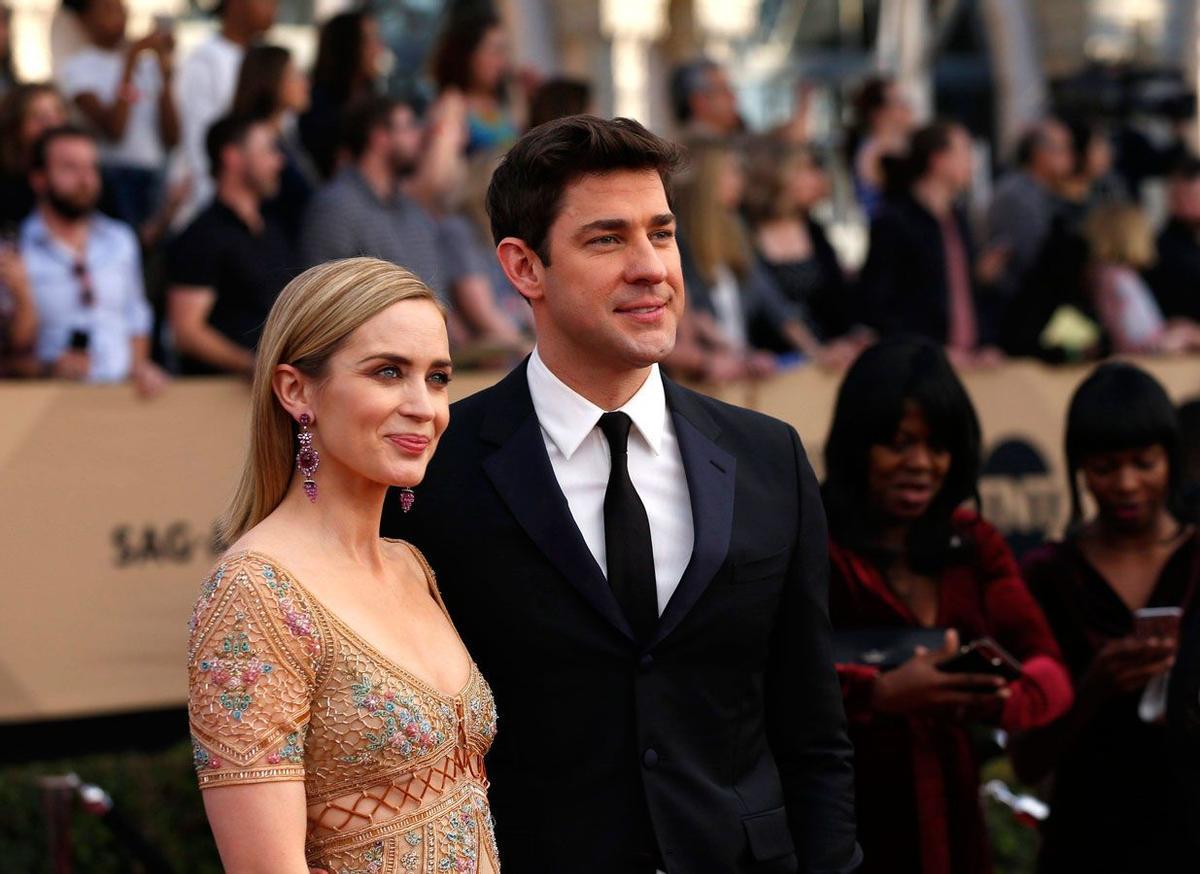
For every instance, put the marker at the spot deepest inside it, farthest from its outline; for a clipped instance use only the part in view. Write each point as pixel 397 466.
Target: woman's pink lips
pixel 410 443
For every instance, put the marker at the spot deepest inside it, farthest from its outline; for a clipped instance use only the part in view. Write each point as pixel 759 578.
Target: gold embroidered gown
pixel 281 689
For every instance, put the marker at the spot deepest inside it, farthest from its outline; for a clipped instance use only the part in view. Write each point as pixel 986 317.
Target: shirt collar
pixel 568 417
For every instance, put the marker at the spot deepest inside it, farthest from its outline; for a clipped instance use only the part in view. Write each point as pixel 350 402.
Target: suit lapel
pixel 710 474
pixel 520 470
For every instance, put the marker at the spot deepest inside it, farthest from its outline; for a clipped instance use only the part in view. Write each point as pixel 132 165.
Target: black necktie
pixel 627 535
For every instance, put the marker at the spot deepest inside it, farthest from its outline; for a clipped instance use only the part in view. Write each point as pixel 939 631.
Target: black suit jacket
pixel 724 739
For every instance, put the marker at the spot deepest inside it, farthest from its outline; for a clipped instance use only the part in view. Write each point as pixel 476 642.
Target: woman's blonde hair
pixel 310 321
pixel 713 231
pixel 1120 233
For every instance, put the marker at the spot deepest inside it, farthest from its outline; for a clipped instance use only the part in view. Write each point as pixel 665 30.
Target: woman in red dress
pixel 903 454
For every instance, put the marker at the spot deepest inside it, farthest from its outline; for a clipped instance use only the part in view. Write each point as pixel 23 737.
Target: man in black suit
pixel 639 570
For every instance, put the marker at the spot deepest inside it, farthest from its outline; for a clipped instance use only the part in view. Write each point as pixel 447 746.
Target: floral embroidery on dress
pixel 407 729
pixel 298 620
pixel 236 671
pixel 462 838
pixel 291 751
pixel 207 590
pixel 201 758
pixel 483 712
pixel 372 860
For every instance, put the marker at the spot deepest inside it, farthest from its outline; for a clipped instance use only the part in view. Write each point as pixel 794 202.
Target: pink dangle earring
pixel 307 458
pixel 407 499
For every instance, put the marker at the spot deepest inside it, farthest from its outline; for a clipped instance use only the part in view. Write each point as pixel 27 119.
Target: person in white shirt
pixel 123 89
pixel 206 84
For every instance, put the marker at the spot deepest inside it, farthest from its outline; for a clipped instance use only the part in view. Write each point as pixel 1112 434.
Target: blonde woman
pixel 1122 244
pixel 338 721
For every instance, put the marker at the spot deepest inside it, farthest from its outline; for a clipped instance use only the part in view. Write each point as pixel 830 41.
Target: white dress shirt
pixel 581 460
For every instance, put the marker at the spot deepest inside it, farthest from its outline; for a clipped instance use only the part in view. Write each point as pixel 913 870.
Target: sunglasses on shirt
pixel 86 296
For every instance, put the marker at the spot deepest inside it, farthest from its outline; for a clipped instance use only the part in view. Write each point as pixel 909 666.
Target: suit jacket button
pixel 650 758
pixel 646 662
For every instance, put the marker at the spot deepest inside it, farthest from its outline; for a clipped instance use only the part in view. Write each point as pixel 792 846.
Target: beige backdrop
pixel 107 505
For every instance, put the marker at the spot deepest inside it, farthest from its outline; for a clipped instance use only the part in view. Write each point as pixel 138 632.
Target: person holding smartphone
pixel 902 456
pixel 1115 805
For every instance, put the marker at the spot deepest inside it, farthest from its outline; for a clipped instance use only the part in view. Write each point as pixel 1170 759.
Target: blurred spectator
pixel 883 122
pixel 735 309
pixel 124 89
pixel 784 184
pixel 1022 211
pixel 206 84
pixel 471 57
pixel 365 210
pixel 558 98
pixel 703 101
pixel 902 457
pixel 18 315
pixel 85 270
pixel 1175 278
pixel 1114 803
pixel 271 86
pixel 1091 181
pixel 8 75
pixel 27 112
pixel 227 268
pixel 918 277
pixel 347 70
pixel 1122 244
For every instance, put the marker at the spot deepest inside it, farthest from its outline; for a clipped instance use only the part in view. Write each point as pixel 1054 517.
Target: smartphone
pixel 1160 622
pixel 983 656
pixel 79 341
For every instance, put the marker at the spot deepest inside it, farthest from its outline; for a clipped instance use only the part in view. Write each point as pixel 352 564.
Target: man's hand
pixel 149 379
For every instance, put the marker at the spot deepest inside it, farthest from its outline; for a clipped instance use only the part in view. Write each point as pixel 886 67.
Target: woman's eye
pixel 389 372
pixel 441 378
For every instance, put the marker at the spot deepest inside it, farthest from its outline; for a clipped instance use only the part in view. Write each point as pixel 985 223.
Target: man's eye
pixel 606 240
pixel 664 235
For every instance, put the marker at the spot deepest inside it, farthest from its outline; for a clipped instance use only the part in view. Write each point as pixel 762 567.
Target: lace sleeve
pixel 253 659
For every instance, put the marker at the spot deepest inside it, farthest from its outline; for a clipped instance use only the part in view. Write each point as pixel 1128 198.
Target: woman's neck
pixel 344 518
pixel 1161 531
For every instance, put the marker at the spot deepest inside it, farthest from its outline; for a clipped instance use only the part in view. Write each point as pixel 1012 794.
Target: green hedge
pixel 157 791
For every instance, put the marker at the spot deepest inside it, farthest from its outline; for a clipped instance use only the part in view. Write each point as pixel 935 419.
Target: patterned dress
pixel 281 689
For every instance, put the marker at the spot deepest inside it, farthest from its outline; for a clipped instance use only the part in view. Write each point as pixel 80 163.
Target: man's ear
pixel 523 267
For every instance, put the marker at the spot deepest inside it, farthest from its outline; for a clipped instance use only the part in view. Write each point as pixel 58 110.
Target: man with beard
pixel 367 209
pixel 231 263
pixel 85 271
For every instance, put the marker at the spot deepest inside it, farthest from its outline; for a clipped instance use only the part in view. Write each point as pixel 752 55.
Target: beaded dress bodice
pixel 281 689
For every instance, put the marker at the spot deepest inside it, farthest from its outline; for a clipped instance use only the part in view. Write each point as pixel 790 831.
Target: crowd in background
pixel 224 173
pixel 151 211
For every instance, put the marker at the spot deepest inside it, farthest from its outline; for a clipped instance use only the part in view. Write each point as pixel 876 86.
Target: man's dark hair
pixel 230 130
pixel 526 190
pixel 900 173
pixel 870 404
pixel 1033 139
pixel 41 146
pixel 686 80
pixel 362 118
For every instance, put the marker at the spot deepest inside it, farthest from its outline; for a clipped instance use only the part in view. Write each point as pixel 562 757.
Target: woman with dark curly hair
pixel 472 58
